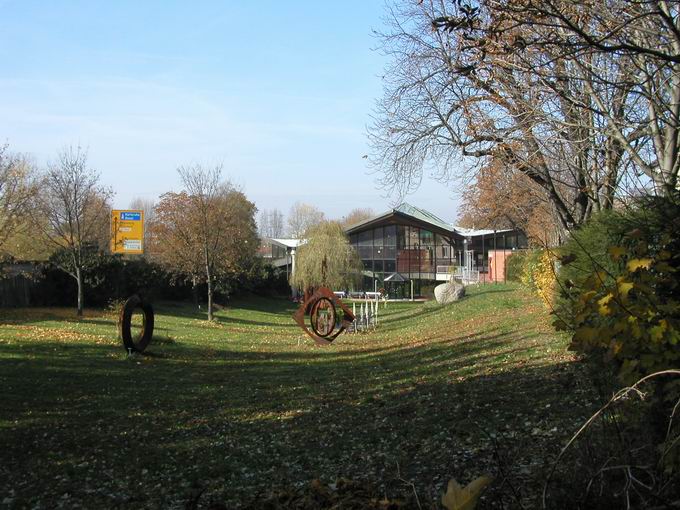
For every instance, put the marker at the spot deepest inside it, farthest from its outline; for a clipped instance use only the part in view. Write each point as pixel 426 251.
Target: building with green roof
pixel 410 248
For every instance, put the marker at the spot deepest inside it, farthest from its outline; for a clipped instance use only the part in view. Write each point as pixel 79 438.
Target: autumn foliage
pixel 501 197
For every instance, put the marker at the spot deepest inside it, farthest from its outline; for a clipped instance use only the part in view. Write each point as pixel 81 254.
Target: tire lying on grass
pixel 143 339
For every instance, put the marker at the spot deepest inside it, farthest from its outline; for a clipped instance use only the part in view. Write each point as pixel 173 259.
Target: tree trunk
pixel 81 298
pixel 210 301
pixel 194 291
pixel 210 293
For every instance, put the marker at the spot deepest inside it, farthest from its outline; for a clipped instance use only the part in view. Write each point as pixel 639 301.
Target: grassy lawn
pixel 233 409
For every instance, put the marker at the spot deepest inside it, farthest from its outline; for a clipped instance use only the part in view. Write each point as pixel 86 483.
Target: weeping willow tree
pixel 326 260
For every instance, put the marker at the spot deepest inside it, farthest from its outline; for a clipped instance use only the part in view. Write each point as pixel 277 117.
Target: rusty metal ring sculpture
pixel 142 340
pixel 321 307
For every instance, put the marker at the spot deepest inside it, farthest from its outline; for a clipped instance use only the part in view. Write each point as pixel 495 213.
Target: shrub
pixel 515 265
pixel 427 291
pixel 620 290
pixel 544 275
pixel 535 269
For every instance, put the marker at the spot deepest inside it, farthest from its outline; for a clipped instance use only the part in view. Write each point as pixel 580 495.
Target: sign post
pixel 127 231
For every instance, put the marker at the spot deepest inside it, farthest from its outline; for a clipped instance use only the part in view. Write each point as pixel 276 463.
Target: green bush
pixel 620 299
pixel 586 252
pixel 427 291
pixel 530 268
pixel 515 265
pixel 620 294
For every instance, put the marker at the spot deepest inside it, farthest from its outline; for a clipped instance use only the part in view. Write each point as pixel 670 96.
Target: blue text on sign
pixel 130 216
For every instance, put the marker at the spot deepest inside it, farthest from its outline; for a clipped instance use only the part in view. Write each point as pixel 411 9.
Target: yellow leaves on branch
pixel 637 264
pixel 603 303
pixel 624 287
pixel 539 274
pixel 631 314
pixel 464 498
pixel 616 252
pixel 544 277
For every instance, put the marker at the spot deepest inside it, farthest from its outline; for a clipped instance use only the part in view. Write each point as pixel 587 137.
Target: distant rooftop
pixel 479 232
pixel 289 243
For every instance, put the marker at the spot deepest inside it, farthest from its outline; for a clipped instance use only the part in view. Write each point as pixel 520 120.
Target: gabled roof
pixel 396 277
pixel 409 212
pixel 423 215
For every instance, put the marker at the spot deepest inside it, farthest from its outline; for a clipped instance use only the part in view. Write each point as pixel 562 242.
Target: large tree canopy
pixel 17 195
pixel 207 232
pixel 73 213
pixel 301 218
pixel 512 81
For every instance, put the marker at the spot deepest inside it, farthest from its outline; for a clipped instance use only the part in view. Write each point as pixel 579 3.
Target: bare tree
pixel 73 210
pixel 203 187
pixel 357 215
pixel 644 38
pixel 17 193
pixel 462 90
pixel 270 224
pixel 149 207
pixel 301 217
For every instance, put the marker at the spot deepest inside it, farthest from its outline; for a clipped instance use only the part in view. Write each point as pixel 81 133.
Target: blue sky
pixel 278 92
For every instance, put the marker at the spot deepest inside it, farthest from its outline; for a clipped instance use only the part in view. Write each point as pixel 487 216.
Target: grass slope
pixel 231 409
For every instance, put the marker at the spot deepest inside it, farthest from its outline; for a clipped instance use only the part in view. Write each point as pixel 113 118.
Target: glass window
pixel 378 237
pixel 413 240
pixel 426 237
pixel 413 260
pixel 427 260
pixel 378 252
pixel 521 240
pixel 366 238
pixel 390 266
pixel 365 252
pixel 353 239
pixel 390 252
pixel 378 266
pixel 391 235
pixel 368 265
pixel 402 237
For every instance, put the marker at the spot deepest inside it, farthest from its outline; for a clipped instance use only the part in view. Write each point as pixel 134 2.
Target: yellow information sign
pixel 127 231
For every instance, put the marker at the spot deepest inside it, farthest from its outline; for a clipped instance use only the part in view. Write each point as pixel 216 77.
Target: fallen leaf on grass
pixel 464 498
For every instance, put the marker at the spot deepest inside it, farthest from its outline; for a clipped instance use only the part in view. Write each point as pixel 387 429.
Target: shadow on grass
pixel 234 321
pixel 236 422
pixel 250 420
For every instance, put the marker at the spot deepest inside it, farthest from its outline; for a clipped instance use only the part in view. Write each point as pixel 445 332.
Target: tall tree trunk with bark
pixel 81 293
pixel 208 276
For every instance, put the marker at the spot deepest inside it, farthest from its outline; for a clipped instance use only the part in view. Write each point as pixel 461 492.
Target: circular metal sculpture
pixel 324 320
pixel 142 340
pixel 322 317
